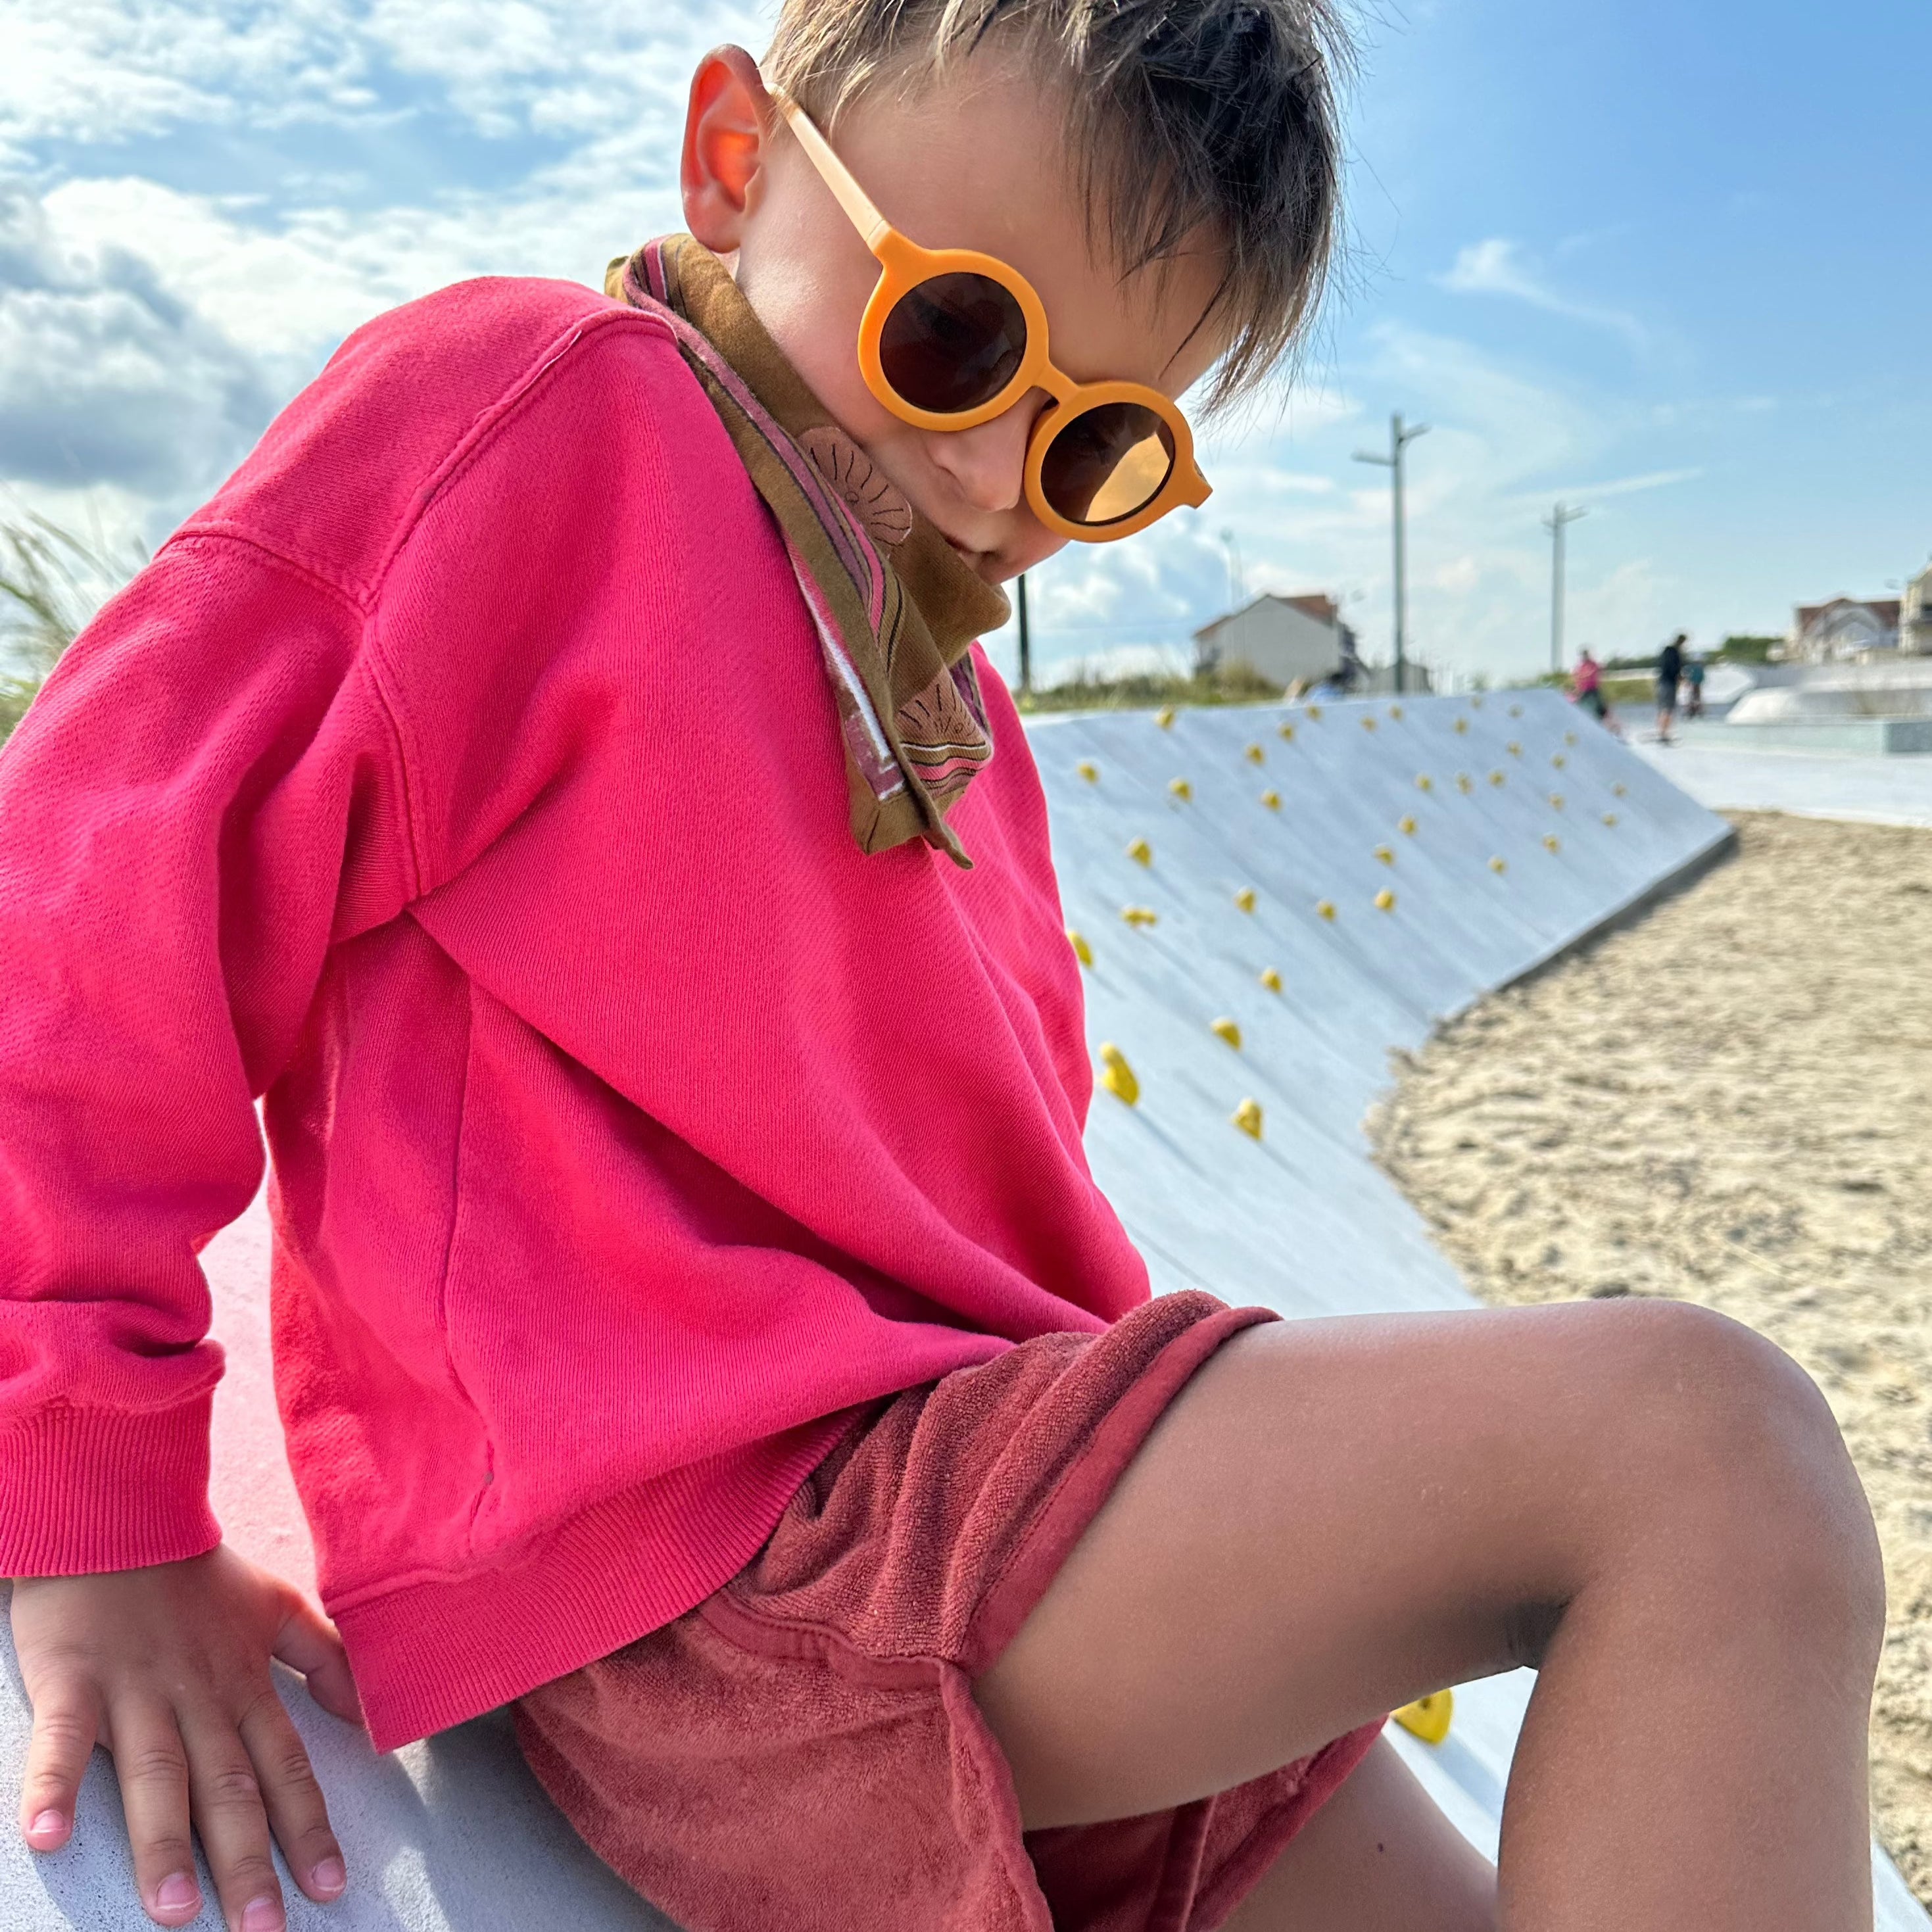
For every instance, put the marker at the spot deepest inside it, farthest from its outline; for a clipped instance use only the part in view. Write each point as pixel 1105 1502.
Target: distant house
pixel 1915 622
pixel 1288 640
pixel 1842 631
pixel 1295 640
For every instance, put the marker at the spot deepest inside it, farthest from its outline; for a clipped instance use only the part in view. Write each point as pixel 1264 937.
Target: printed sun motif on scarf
pixel 895 608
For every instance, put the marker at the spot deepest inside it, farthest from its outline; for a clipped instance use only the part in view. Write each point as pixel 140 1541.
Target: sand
pixel 1731 1103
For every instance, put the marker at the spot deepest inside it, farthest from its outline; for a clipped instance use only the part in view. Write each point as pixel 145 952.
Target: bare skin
pixel 1650 1503
pixel 1335 1518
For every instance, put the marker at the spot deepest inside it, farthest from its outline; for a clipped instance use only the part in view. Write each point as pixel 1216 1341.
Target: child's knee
pixel 1739 1451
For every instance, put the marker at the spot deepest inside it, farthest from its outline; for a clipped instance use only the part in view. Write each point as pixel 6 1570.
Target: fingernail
pixel 327 1876
pixel 49 1824
pixel 178 1892
pixel 263 1914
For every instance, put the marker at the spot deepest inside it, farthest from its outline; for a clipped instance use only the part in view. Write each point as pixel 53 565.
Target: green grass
pixel 50 582
pixel 1235 685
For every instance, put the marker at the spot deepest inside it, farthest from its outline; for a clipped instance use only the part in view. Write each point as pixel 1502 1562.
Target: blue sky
pixel 1669 263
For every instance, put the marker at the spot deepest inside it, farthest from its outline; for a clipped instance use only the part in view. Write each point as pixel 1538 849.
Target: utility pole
pixel 1026 645
pixel 1400 439
pixel 1559 521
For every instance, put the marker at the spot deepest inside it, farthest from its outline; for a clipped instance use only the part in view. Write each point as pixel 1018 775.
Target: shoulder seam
pixel 494 416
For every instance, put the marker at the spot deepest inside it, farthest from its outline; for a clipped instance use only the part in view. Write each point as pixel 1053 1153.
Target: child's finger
pixel 66 1719
pixel 306 1641
pixel 151 1765
pixel 297 1814
pixel 232 1821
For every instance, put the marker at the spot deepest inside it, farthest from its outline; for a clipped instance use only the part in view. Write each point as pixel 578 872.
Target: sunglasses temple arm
pixel 857 204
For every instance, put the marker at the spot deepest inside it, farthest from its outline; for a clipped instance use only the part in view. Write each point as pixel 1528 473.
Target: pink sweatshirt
pixel 464 782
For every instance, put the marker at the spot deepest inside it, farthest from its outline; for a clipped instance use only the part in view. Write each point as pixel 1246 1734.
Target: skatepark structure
pixel 1268 902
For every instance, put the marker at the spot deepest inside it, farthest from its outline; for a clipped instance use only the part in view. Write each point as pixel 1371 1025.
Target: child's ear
pixel 725 130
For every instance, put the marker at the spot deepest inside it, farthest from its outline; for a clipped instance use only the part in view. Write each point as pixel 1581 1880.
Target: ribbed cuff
pixel 88 1489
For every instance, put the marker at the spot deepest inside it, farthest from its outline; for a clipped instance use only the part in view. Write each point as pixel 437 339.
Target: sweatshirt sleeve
pixel 208 794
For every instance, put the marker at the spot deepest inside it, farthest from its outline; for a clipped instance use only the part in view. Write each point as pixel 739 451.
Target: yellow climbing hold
pixel 1270 979
pixel 1368 724
pixel 1141 852
pixel 1286 731
pixel 1116 1075
pixel 1140 915
pixel 1461 781
pixel 1496 865
pixel 1609 818
pixel 1164 717
pixel 1385 901
pixel 1556 758
pixel 1272 799
pixel 1312 711
pixel 1556 800
pixel 1181 788
pixel 1255 755
pixel 1569 737
pixel 1245 898
pixel 1475 704
pixel 1423 782
pixel 1516 710
pixel 1619 790
pixel 1551 843
pixel 1462 724
pixel 1325 908
pixel 1088 770
pixel 1248 1118
pixel 1228 1031
pixel 1496 778
pixel 1082 951
pixel 1395 710
pixel 1428 1717
pixel 1514 748
pixel 1386 854
pixel 1406 825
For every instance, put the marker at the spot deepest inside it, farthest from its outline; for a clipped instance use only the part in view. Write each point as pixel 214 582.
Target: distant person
pixel 1586 689
pixel 1693 686
pixel 1670 675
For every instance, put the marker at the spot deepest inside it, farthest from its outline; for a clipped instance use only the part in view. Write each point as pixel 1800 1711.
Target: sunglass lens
pixel 952 343
pixel 1106 464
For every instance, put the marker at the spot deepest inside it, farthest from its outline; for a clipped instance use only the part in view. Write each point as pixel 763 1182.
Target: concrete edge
pixel 1721 848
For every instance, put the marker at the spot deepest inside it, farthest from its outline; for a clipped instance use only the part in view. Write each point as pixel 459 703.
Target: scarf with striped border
pixel 894 606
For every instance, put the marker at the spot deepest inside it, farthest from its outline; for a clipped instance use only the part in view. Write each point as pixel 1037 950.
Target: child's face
pixel 973 163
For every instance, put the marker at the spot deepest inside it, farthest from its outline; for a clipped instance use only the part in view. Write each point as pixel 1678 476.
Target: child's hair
pixel 1182 116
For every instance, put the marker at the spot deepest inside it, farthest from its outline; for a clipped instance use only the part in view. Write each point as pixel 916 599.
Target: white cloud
pixel 1496 267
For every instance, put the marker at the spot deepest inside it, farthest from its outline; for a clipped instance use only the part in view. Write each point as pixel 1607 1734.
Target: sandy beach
pixel 1731 1103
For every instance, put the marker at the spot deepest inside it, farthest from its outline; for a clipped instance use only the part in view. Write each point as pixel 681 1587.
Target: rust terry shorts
pixel 802 1752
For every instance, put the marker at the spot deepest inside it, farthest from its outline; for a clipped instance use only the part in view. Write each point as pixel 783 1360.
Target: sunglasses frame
pixel 904 264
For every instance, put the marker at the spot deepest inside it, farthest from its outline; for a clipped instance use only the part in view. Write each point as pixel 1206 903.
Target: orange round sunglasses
pixel 951 338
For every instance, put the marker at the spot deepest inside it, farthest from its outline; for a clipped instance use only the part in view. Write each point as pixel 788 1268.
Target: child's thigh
pixel 1378 1857
pixel 1335 1516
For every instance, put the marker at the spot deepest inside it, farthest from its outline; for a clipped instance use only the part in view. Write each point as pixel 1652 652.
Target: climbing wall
pixel 1272 899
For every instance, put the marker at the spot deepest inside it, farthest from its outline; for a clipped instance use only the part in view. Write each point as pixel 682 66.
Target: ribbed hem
pixel 429 1655
pixel 87 1489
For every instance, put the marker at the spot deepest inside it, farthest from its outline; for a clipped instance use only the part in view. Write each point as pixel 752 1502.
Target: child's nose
pixel 988 464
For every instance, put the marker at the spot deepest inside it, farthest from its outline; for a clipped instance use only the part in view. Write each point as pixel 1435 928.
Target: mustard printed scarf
pixel 894 606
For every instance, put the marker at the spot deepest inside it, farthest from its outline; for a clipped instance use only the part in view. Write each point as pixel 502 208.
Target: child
pixel 546 775
pixel 1586 689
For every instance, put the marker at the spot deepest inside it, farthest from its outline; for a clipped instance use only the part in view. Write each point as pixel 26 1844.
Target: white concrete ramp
pixel 451 1835
pixel 1501 828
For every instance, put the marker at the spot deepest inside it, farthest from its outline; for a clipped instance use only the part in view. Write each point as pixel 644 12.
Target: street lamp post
pixel 1026 644
pixel 1400 439
pixel 1559 521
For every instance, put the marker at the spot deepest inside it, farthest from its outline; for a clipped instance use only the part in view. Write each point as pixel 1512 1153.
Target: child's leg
pixel 1378 1857
pixel 1647 1501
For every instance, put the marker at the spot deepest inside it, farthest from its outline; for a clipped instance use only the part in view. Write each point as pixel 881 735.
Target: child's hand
pixel 168 1667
